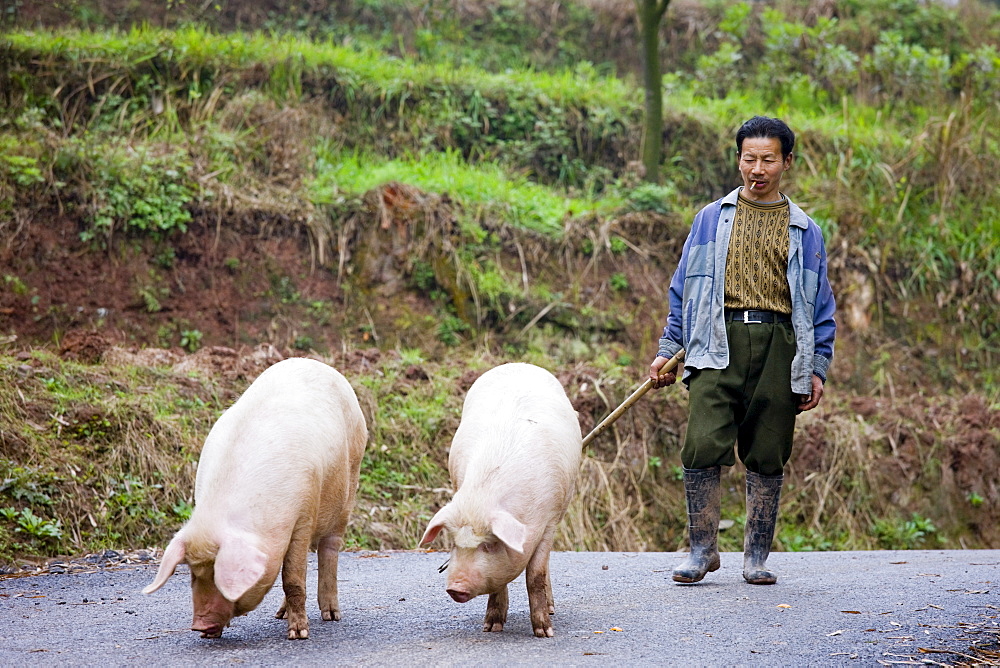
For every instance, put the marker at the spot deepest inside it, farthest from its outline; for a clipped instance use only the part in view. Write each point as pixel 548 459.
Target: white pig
pixel 277 477
pixel 513 464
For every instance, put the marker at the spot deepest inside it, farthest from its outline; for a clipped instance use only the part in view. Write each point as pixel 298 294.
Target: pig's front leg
pixel 496 611
pixel 540 590
pixel 548 591
pixel 293 582
pixel 328 551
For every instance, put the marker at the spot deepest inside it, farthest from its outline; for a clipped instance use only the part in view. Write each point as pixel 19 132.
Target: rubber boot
pixel 763 493
pixel 704 501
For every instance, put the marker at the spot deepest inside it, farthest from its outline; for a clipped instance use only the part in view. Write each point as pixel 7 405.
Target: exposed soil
pixel 226 286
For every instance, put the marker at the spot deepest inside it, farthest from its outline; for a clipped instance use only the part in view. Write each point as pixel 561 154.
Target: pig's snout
pixel 209 627
pixel 208 630
pixel 460 596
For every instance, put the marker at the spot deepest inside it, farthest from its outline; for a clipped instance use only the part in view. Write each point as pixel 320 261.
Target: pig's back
pixel 518 427
pixel 296 425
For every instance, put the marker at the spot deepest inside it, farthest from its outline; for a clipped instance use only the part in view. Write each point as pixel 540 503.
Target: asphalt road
pixel 828 609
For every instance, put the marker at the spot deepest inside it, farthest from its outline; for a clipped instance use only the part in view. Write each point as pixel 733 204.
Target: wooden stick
pixel 634 397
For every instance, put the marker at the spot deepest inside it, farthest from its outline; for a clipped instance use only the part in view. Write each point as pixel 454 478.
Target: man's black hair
pixel 762 127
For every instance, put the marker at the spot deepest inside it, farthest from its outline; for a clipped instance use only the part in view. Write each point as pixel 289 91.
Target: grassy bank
pixel 414 216
pixel 103 456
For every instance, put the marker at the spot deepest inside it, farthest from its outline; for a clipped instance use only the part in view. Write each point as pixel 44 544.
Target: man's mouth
pixel 757 184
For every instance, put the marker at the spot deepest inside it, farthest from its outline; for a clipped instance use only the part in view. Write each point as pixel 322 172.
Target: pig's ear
pixel 436 524
pixel 239 565
pixel 172 556
pixel 509 530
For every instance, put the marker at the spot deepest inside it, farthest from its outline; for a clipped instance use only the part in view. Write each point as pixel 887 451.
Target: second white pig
pixel 277 475
pixel 514 461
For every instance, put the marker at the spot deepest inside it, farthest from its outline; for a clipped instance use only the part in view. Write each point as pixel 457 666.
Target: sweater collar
pixel 797 216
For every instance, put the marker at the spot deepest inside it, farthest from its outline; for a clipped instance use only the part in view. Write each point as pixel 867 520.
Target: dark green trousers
pixel 750 403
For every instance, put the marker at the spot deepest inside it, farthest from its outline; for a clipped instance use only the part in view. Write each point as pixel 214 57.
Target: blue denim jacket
pixel 696 321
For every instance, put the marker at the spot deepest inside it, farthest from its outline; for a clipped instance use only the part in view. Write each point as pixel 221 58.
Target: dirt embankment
pixel 875 459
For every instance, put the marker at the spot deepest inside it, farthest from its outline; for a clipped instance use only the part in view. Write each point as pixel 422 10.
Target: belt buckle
pixel 748 321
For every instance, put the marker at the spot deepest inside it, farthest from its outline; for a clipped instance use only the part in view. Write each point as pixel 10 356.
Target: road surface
pixel 827 609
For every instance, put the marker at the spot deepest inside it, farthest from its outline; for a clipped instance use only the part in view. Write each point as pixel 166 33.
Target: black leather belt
pixel 756 317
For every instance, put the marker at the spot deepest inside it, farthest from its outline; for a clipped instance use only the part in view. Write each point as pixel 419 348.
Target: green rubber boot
pixel 763 493
pixel 704 504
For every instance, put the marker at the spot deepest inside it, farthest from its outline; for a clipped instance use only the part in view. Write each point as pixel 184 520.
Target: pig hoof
pixel 331 615
pixel 298 634
pixel 547 632
pixel 281 614
pixel 492 627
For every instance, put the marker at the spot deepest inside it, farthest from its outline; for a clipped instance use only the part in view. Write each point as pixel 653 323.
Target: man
pixel 751 304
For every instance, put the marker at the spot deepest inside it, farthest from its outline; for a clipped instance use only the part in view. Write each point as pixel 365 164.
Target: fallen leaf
pixel 835 633
pixel 897 562
pixel 851 612
pixel 598 631
pixel 784 605
pixel 615 628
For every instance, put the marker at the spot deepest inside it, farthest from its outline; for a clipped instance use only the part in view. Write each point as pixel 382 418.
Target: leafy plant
pixel 652 197
pixel 31 524
pixel 914 533
pixel 450 329
pixel 30 485
pixel 191 339
pixel 16 285
pixel 137 193
pixel 183 509
pixel 23 170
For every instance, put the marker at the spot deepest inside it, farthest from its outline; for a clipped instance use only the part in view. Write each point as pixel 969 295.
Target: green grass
pixel 292 55
pixel 483 187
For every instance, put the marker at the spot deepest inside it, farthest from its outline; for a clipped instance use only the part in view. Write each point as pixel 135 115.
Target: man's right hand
pixel 659 381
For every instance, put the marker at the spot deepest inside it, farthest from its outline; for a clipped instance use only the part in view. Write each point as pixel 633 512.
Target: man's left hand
pixel 807 402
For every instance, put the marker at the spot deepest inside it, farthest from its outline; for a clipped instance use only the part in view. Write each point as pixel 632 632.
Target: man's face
pixel 762 167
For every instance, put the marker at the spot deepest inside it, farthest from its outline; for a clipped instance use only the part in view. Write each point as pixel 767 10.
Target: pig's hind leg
pixel 496 611
pixel 293 582
pixel 328 552
pixel 540 590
